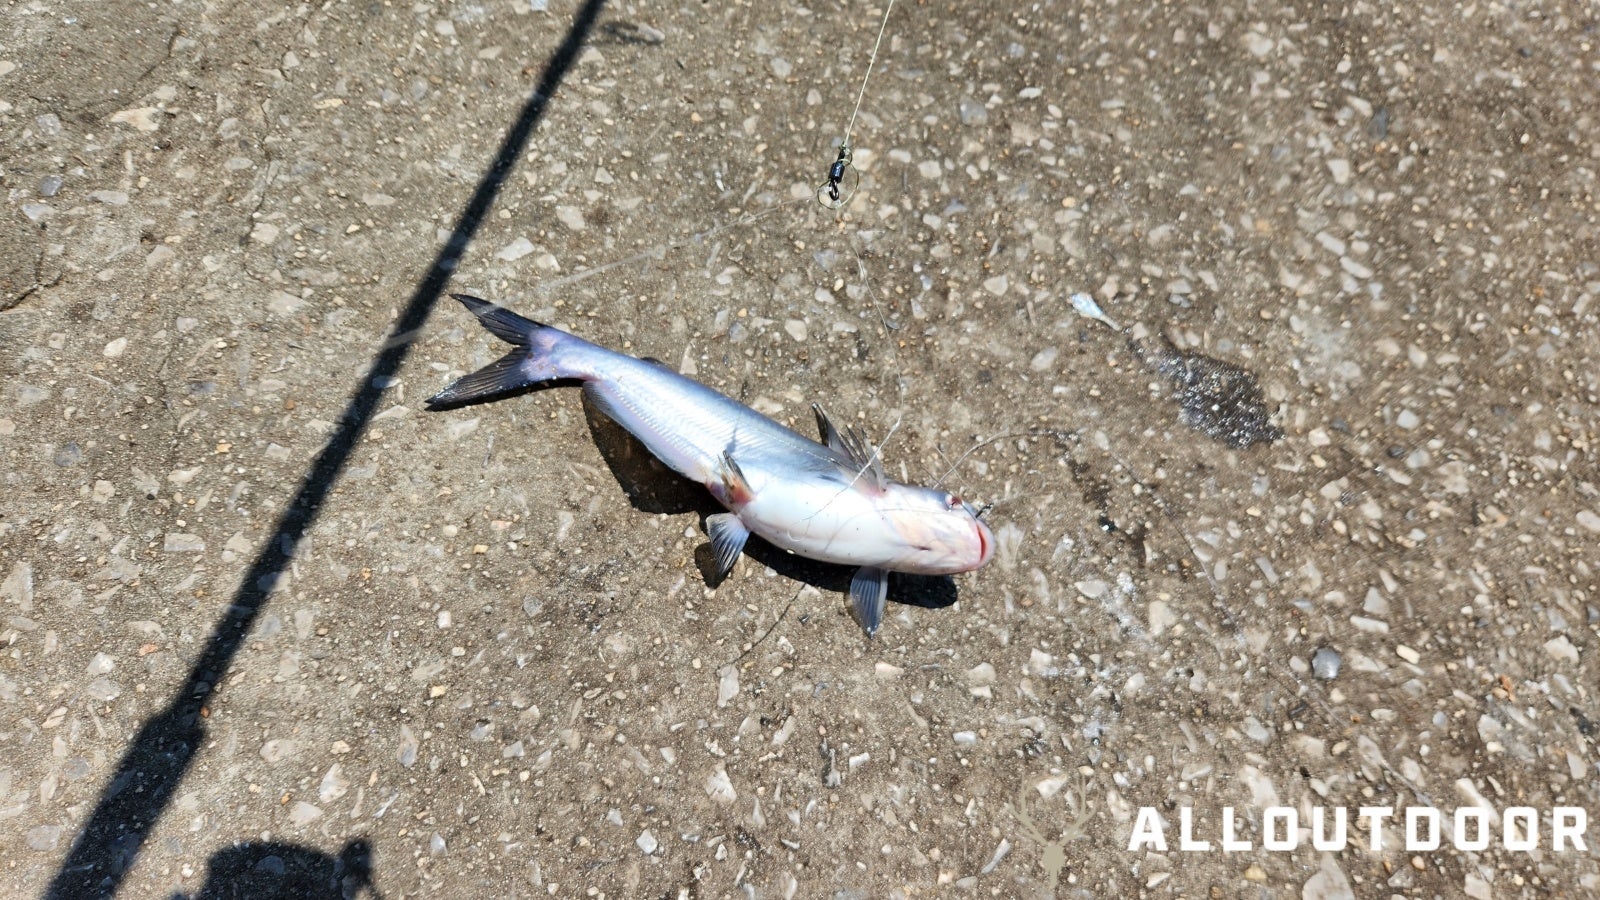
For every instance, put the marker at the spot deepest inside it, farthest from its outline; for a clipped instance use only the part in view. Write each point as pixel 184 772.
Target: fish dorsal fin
pixel 830 435
pixel 655 362
pixel 852 444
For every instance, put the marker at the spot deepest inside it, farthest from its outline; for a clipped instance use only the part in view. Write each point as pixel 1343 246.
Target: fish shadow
pixel 922 591
pixel 650 486
pixel 653 488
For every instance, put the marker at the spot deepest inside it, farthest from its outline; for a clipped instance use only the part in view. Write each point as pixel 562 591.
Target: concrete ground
pixel 271 629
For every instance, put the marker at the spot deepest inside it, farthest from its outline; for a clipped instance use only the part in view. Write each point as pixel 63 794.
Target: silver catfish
pixel 828 501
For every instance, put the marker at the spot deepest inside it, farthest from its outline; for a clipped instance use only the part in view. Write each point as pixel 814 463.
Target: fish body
pixel 826 500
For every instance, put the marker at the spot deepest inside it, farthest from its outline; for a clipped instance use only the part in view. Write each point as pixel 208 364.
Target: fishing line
pixel 660 251
pixel 1033 432
pixel 828 193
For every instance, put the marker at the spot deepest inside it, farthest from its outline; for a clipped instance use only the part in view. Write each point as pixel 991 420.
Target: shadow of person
pixel 274 871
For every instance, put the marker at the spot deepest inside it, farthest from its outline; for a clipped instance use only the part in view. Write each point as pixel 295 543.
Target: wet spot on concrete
pixel 1216 398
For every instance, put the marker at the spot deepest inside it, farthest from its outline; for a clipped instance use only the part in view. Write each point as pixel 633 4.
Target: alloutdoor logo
pixel 1517 828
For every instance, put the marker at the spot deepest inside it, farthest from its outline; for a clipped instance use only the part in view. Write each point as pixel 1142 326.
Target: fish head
pixel 941 533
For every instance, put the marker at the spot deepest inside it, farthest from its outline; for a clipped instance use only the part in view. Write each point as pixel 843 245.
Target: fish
pixel 827 499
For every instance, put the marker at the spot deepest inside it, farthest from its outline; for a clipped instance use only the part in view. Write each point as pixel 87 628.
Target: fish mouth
pixel 985 543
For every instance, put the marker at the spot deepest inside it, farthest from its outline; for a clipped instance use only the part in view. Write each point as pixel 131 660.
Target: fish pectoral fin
pixel 852 444
pixel 869 590
pixel 735 489
pixel 728 536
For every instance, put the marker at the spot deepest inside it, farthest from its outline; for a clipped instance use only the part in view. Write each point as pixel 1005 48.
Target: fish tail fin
pixel 533 361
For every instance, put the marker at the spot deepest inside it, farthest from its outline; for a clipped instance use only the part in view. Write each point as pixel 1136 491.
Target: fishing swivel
pixel 833 193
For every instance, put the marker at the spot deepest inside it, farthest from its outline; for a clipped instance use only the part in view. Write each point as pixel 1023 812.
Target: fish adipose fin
pixel 868 591
pixel 527 365
pixel 852 444
pixel 728 535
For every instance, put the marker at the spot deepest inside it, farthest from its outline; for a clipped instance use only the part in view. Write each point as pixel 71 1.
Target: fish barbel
pixel 827 500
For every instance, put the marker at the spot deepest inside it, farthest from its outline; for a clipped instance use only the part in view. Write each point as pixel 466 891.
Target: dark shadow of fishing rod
pixel 154 765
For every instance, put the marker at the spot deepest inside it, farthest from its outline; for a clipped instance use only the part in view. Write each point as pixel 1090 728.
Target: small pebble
pixel 334 784
pixel 1089 309
pixel 719 786
pixel 515 250
pixel 183 543
pixel 303 814
pixel 1325 663
pixel 278 749
pixel 647 842
pixel 144 118
pixel 727 685
pixel 44 838
pixel 570 216
pixel 407 755
pixel 1562 648
pixel 1407 654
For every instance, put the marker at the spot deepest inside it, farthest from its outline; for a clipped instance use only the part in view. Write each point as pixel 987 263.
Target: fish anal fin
pixel 728 536
pixel 869 591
